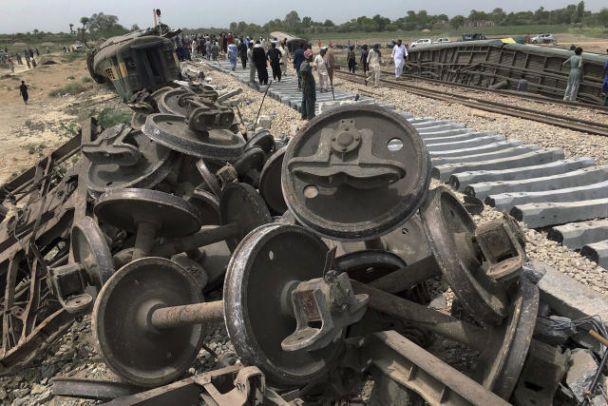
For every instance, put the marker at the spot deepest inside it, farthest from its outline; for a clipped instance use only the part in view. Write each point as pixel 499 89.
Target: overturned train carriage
pixel 498 65
pixel 134 62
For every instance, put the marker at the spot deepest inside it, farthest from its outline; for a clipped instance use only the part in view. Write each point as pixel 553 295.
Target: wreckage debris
pixel 316 300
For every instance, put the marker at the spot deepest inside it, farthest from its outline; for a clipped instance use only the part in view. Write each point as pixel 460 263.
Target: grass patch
pixel 111 116
pixel 35 125
pixel 73 56
pixel 86 79
pixel 70 128
pixel 70 89
pixel 34 148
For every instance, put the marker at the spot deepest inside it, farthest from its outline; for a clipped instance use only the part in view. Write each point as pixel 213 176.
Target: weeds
pixel 70 129
pixel 35 125
pixel 73 56
pixel 111 116
pixel 34 148
pixel 70 89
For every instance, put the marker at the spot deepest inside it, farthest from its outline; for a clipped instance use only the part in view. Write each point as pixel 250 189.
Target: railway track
pixel 510 93
pixel 557 120
pixel 538 186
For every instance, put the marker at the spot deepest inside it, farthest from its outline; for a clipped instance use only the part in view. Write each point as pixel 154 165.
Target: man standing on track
pixel 320 64
pixel 364 63
pixel 309 88
pixel 330 63
pixel 399 56
pixel 374 59
pixel 250 60
pixel 260 62
pixel 298 58
pixel 274 57
pixel 576 74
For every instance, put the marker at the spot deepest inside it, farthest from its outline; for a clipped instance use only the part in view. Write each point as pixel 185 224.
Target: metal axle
pixel 186 315
pixel 200 239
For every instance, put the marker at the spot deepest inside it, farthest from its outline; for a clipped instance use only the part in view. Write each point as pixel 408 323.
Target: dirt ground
pixel 29 131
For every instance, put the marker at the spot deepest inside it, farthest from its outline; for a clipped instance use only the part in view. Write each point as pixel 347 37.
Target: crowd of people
pixel 262 53
pixel 29 58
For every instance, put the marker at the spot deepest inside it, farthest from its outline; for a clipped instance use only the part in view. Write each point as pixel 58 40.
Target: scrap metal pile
pixel 326 250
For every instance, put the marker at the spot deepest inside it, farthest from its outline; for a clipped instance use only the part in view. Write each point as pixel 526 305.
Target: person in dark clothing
pixel 243 53
pixel 363 60
pixel 352 59
pixel 309 87
pixel 274 57
pixel 23 91
pixel 259 60
pixel 298 58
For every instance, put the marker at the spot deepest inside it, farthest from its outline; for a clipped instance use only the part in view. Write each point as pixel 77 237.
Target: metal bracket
pixel 210 116
pixel 249 389
pixel 345 156
pixel 501 244
pixel 323 307
pixel 69 283
pixel 111 147
pixel 227 174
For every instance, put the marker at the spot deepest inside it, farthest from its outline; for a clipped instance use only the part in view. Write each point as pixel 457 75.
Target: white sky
pixel 55 15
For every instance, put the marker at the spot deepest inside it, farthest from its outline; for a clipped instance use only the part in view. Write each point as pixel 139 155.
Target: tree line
pixel 420 20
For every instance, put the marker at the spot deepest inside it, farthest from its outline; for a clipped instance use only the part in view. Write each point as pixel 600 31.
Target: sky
pixel 55 15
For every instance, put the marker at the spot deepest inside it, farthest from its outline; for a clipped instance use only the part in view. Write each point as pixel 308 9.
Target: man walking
pixel 373 60
pixel 259 60
pixel 309 90
pixel 232 55
pixel 274 57
pixel 298 58
pixel 399 57
pixel 351 58
pixel 23 91
pixel 243 53
pixel 364 58
pixel 251 65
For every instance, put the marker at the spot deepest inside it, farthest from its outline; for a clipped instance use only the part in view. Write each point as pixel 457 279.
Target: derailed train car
pixel 134 62
pixel 499 65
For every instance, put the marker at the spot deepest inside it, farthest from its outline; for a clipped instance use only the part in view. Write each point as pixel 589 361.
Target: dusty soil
pixel 29 131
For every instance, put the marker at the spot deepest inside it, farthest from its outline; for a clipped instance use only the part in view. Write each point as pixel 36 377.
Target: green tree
pixel 602 17
pixel 457 21
pixel 292 20
pixel 580 12
pixel 307 22
pixel 84 21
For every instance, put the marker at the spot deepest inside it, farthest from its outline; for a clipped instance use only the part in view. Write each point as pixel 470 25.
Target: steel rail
pixel 493 107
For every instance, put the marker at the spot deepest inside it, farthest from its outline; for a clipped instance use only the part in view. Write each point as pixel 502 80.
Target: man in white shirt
pixel 399 56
